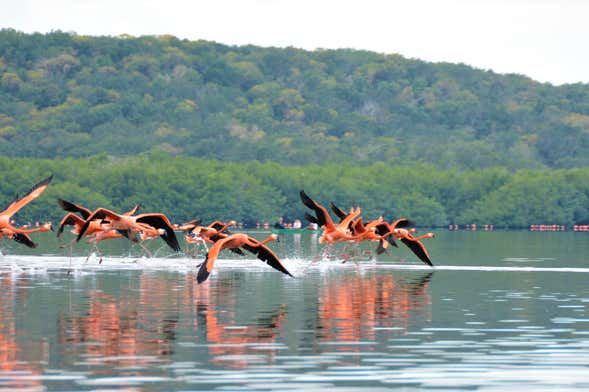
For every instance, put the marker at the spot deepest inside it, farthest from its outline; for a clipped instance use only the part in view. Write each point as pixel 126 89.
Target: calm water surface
pixel 501 311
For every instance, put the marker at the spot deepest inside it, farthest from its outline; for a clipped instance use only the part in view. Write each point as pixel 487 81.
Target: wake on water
pixel 297 266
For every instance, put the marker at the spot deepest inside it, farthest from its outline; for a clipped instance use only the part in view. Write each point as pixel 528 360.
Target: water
pixel 501 311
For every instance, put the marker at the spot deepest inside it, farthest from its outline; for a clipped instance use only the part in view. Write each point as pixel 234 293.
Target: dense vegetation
pixel 64 95
pixel 187 188
pixel 204 130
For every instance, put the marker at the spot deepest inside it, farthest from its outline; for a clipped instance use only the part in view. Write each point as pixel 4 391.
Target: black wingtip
pixel 45 181
pixel 66 205
pixel 404 223
pixel 203 274
pixel 337 211
pixel 306 199
pixel 380 249
pixel 391 240
pixel 23 239
pixel 311 218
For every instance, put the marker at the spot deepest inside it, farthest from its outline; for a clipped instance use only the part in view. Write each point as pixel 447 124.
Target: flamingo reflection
pixel 18 356
pixel 350 308
pixel 233 344
pixel 136 331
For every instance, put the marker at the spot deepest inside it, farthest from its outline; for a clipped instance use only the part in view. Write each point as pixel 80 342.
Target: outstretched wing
pixel 338 212
pixel 401 223
pixel 100 213
pixel 384 229
pixel 71 207
pixel 203 272
pixel 217 225
pixel 311 218
pixel 264 253
pixel 419 250
pixel 160 221
pixel 20 202
pixel 69 220
pixel 207 266
pixel 24 239
pixel 323 218
pixel 133 210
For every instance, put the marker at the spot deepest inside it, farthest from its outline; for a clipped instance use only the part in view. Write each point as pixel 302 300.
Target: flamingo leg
pixel 69 266
pixel 145 250
pixel 98 253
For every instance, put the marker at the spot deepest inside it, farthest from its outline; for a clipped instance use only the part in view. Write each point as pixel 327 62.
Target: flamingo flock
pixel 103 224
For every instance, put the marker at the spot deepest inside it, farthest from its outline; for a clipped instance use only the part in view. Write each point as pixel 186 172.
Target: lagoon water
pixel 500 311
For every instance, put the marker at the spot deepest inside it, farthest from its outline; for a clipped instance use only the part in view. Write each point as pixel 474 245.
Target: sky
pixel 543 39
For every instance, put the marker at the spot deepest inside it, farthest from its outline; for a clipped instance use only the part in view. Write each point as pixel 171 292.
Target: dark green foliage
pixel 63 95
pixel 189 188
pixel 437 143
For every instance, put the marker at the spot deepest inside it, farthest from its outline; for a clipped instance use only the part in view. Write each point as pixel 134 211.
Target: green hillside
pixel 63 95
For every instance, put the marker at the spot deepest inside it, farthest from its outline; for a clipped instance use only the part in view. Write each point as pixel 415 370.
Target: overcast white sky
pixel 544 39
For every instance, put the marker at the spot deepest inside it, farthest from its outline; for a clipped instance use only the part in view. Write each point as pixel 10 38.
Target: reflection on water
pixel 335 327
pixel 351 307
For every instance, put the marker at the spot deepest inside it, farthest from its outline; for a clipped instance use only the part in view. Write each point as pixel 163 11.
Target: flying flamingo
pixel 97 230
pixel 196 234
pixel 21 235
pixel 413 243
pixel 332 233
pixel 152 224
pixel 240 240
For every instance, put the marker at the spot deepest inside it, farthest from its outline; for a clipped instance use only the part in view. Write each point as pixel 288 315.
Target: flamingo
pixel 413 243
pixel 332 233
pixel 84 212
pixel 215 231
pixel 385 230
pixel 129 226
pixel 240 240
pixel 97 229
pixel 21 235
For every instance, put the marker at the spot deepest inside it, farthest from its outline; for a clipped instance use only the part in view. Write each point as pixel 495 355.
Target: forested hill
pixel 64 95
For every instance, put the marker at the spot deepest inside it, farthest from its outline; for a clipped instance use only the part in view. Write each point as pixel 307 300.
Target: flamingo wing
pixel 338 212
pixel 100 213
pixel 217 225
pixel 160 221
pixel 264 253
pixel 323 218
pixel 402 223
pixel 207 266
pixel 69 220
pixel 20 202
pixel 357 227
pixel 72 207
pixel 419 250
pixel 386 230
pixel 133 210
pixel 311 218
pixel 24 239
